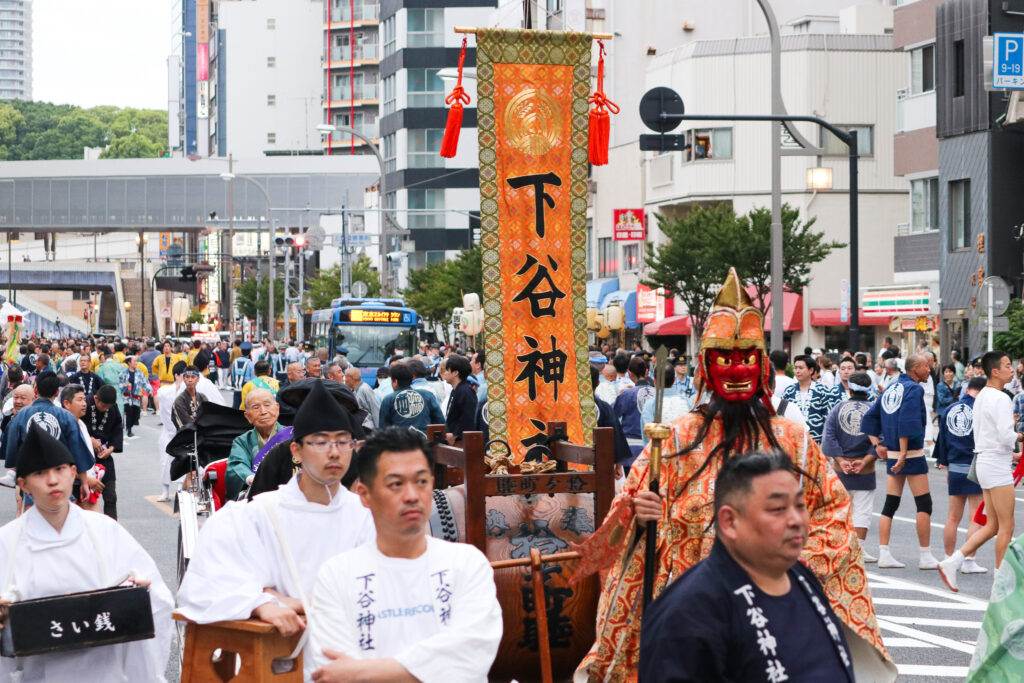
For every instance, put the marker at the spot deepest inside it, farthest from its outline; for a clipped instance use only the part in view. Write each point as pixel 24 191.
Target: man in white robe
pixel 260 559
pixel 404 605
pixel 165 400
pixel 57 548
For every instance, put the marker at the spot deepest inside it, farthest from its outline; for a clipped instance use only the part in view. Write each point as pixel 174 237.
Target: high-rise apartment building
pixel 15 49
pixel 351 64
pixel 437 199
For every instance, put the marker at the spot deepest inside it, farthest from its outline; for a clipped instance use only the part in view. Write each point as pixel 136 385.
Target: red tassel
pixel 600 121
pixel 457 99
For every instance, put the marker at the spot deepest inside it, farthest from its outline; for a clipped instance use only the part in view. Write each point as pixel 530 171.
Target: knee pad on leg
pixel 924 503
pixel 892 503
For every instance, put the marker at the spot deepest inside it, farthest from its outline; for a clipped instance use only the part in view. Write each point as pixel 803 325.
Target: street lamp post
pixel 230 177
pixel 141 239
pixel 127 310
pixel 386 218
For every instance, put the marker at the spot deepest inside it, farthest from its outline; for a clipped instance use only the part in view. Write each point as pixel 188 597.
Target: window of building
pixel 924 205
pixel 426 89
pixel 958 68
pixel 271 62
pixel 959 214
pixel 607 263
pixel 388 31
pixel 271 100
pixel 426 27
pixel 922 70
pixel 388 152
pixel 833 146
pixel 710 143
pixel 435 256
pixel 630 256
pixel 271 23
pixel 271 138
pixel 424 148
pixel 389 96
pixel 426 199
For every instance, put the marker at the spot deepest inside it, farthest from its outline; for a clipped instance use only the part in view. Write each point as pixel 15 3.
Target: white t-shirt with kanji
pixel 437 614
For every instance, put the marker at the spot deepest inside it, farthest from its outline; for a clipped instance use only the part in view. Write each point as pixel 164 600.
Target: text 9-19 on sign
pixel 629 224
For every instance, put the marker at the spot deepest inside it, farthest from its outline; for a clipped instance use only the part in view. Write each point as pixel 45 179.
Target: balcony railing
pixel 363 91
pixel 362 13
pixel 905 229
pixel 914 111
pixel 340 53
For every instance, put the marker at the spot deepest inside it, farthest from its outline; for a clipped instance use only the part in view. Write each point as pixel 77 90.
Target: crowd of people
pixel 324 532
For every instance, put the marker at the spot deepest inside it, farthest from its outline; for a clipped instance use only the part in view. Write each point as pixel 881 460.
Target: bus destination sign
pixel 364 315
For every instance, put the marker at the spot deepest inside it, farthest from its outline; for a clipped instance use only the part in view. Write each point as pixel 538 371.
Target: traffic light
pixel 293 241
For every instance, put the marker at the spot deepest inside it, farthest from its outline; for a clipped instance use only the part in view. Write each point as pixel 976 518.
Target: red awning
pixel 792 310
pixel 821 317
pixel 675 325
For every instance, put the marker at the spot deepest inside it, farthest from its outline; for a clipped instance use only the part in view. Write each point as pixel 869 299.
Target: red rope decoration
pixel 600 121
pixel 457 99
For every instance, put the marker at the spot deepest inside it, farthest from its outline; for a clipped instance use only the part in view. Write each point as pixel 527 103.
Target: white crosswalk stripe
pixel 952 638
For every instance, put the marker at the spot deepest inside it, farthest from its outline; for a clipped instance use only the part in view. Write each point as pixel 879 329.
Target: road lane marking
pixel 921 621
pixel 161 506
pixel 928 604
pixel 932 671
pixel 879 581
pixel 931 638
pixel 906 642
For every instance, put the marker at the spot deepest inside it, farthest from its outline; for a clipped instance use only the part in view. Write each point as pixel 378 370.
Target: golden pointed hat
pixel 733 322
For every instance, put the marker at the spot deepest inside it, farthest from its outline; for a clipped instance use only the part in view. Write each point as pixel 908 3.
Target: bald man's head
pixel 261 409
pixel 23 395
pixel 353 377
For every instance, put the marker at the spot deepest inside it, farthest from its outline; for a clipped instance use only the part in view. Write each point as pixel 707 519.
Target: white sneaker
pixel 971 567
pixel 928 562
pixel 948 569
pixel 10 479
pixel 868 557
pixel 887 561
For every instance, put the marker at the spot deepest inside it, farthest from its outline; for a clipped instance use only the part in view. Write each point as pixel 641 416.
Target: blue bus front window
pixel 371 345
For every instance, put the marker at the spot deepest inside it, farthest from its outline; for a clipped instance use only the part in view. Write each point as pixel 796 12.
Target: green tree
pixel 326 286
pixel 802 247
pixel 1011 342
pixel 132 146
pixel 694 260
pixel 363 271
pixel 253 294
pixel 437 288
pixel 10 120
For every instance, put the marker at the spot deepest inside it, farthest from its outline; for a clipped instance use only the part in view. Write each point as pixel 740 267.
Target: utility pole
pixel 287 288
pixel 226 296
pixel 346 270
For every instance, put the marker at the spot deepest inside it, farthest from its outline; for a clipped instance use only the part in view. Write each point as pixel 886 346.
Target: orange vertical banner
pixel 532 118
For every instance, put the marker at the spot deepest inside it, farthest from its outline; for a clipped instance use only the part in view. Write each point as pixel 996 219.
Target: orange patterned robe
pixel 685 537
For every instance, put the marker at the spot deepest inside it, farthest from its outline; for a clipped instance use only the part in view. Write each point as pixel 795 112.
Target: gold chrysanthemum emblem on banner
pixel 533 120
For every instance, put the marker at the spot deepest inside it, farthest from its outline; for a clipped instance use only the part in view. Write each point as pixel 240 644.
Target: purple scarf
pixel 283 434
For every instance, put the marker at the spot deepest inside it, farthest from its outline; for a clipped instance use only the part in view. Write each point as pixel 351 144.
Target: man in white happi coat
pixel 260 559
pixel 57 548
pixel 403 606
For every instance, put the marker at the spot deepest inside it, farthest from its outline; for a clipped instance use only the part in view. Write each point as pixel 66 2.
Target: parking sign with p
pixel 1008 61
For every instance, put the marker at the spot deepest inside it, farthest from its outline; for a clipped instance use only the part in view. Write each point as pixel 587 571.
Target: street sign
pixel 1000 324
pixel 359 289
pixel 1008 61
pixel 355 239
pixel 844 300
pixel 1000 296
pixel 657 101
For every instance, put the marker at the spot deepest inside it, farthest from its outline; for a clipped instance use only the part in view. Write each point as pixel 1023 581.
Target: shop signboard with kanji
pixel 651 304
pixel 629 225
pixel 533 132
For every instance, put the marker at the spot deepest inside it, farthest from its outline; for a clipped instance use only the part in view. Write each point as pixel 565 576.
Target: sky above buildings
pixel 93 52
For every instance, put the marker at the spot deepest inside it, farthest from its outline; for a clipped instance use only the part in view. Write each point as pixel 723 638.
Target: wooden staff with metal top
pixel 657 431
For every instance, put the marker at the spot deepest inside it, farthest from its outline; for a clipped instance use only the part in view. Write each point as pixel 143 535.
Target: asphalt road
pixel 929 631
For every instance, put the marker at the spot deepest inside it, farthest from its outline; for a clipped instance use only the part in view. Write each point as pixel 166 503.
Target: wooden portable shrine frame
pixel 454 465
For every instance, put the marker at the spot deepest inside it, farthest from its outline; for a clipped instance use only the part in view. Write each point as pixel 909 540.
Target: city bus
pixel 371 330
